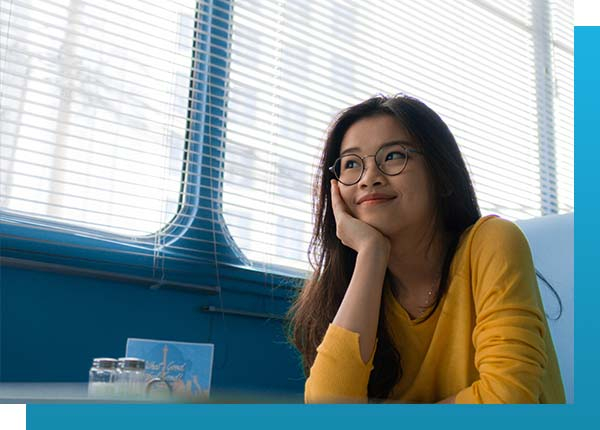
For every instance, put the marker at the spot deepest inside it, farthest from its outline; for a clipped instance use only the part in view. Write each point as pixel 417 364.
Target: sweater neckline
pixel 399 310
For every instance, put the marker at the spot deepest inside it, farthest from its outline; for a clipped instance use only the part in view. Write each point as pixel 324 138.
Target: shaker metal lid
pixel 105 363
pixel 131 363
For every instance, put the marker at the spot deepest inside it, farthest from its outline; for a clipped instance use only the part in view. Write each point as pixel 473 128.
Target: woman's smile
pixel 376 201
pixel 374 197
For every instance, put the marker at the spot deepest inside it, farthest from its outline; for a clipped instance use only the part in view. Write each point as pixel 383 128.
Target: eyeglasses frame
pixel 364 165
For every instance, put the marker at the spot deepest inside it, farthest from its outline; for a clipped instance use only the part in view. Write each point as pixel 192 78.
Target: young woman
pixel 415 297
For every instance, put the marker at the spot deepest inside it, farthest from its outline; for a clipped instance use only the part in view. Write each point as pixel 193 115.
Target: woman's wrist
pixel 380 248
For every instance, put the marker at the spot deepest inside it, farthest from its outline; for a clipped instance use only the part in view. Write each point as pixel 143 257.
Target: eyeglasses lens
pixel 391 160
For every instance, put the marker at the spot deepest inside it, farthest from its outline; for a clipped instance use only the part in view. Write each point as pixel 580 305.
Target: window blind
pixel 99 136
pixel 94 111
pixel 192 130
pixel 563 92
pixel 499 73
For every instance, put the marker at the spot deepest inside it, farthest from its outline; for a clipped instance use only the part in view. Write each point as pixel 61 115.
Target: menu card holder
pixel 175 370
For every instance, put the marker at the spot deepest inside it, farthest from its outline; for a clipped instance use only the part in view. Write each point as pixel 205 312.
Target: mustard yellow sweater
pixel 487 342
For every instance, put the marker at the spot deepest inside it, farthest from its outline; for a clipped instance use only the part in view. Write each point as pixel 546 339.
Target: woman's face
pixel 402 203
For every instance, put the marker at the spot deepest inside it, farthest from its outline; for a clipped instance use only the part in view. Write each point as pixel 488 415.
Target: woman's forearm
pixel 359 310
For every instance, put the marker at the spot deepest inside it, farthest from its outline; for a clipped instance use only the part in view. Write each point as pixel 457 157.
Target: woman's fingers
pixel 348 228
pixel 340 211
pixel 337 203
pixel 335 197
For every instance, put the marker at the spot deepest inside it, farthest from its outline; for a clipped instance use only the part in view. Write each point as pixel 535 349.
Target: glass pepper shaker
pixel 102 377
pixel 131 377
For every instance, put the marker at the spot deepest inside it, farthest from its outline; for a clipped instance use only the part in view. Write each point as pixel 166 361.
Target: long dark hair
pixel 333 263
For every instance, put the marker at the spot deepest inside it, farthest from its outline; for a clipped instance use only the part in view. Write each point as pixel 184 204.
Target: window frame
pixel 23 244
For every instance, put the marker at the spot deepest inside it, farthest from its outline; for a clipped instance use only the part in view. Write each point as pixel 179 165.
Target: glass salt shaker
pixel 131 377
pixel 102 378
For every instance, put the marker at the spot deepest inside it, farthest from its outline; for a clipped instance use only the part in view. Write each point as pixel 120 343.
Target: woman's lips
pixel 373 202
pixel 375 196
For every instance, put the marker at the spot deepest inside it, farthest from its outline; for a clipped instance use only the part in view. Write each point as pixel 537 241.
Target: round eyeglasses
pixel 390 159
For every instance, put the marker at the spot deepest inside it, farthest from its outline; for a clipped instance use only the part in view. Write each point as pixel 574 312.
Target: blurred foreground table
pixel 58 392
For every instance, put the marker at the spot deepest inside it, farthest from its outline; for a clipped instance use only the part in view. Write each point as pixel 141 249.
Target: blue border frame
pixel 301 417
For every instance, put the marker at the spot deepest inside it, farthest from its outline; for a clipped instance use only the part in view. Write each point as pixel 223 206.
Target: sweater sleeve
pixel 338 374
pixel 510 352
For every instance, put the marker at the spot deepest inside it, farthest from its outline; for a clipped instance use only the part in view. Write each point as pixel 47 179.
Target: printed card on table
pixel 186 366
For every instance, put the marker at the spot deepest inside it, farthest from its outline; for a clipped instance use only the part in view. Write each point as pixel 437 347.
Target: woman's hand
pixel 353 232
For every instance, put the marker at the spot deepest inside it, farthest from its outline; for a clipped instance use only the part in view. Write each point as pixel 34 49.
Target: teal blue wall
pixel 52 325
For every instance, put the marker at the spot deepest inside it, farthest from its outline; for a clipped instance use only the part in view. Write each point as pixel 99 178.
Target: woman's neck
pixel 416 262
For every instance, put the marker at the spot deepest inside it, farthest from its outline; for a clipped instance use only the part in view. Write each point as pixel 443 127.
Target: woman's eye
pixel 395 156
pixel 350 164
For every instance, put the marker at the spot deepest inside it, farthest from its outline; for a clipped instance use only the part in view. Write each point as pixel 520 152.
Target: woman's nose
pixel 371 174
